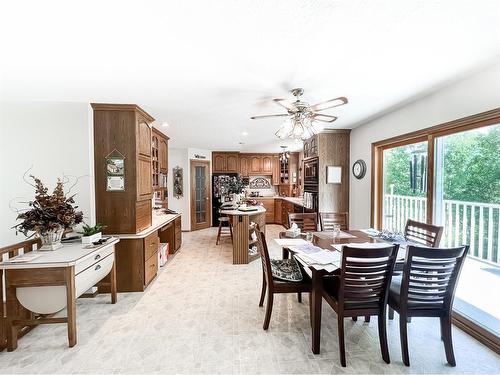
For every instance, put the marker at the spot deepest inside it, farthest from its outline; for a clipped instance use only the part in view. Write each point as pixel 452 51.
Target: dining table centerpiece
pixel 48 215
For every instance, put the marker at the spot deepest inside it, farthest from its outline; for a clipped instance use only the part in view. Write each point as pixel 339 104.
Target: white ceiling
pixel 205 67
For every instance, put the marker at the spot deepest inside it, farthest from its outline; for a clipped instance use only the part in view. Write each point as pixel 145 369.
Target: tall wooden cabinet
pixel 123 129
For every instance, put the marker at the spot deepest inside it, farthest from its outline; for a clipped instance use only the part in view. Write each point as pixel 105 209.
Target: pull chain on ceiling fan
pixel 303 120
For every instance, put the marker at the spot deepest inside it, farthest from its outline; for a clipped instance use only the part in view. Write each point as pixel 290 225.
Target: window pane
pixel 467 205
pixel 405 185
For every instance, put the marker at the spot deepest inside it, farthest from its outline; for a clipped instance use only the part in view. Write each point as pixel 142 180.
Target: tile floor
pixel 201 315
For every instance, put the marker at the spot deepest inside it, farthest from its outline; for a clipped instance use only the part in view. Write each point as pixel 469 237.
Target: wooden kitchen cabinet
pixel 244 166
pixel 232 163
pixel 143 138
pixel 255 164
pixel 277 211
pixel 163 154
pixel 225 162
pixel 311 147
pixel 267 164
pixel 125 128
pixel 286 208
pixel 269 206
pixel 276 170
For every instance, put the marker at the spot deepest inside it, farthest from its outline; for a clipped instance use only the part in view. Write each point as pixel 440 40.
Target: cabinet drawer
pixel 151 245
pixel 92 275
pixel 96 257
pixel 150 269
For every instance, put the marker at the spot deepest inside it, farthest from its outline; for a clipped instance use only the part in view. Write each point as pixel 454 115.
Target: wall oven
pixel 311 171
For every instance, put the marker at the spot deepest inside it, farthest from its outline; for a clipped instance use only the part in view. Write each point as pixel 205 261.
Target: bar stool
pixel 224 219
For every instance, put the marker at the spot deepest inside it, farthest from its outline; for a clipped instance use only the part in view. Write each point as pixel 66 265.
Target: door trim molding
pixel 193 224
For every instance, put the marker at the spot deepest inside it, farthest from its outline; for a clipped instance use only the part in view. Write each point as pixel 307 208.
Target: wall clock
pixel 359 169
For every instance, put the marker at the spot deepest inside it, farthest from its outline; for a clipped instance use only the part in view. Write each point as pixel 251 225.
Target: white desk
pixel 53 281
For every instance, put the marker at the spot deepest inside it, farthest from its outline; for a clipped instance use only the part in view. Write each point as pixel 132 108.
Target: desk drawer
pixel 92 275
pixel 151 245
pixel 150 269
pixel 96 257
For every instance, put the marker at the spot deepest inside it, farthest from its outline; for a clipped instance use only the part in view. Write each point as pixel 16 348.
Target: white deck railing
pixel 473 223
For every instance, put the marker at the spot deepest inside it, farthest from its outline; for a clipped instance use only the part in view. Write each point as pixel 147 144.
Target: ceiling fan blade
pixel 285 104
pixel 324 118
pixel 268 116
pixel 329 104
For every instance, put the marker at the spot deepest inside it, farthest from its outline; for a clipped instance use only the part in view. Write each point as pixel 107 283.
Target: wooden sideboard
pixel 39 288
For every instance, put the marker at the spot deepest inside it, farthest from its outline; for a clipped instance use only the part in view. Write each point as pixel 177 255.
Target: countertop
pixel 260 210
pixel 157 222
pixel 295 200
pixel 68 255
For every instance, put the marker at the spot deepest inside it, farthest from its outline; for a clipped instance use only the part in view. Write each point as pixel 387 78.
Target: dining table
pixel 317 272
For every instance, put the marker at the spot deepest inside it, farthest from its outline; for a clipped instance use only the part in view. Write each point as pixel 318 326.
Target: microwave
pixel 311 171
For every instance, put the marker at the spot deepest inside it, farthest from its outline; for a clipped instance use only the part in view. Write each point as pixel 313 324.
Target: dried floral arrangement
pixel 48 212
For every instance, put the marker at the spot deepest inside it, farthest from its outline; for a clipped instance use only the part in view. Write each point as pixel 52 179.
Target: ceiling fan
pixel 301 117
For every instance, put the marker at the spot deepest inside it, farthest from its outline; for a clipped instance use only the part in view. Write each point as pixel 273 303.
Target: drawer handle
pixel 97 257
pixel 98 267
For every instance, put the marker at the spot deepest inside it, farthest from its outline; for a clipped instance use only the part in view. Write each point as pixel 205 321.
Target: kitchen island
pixel 244 224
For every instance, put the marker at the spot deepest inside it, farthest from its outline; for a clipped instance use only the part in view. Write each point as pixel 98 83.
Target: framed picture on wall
pixel 333 174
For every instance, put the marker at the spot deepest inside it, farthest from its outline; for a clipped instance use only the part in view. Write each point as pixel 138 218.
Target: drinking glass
pixel 309 237
pixel 336 229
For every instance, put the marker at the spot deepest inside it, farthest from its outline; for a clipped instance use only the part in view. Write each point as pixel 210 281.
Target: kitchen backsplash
pixel 263 185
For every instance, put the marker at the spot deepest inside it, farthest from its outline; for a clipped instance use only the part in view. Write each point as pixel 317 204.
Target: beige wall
pixel 478 93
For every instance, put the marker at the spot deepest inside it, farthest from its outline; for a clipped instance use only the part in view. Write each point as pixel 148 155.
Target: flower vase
pixel 51 239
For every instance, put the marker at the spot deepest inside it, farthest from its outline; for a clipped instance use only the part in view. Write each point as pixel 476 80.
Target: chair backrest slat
pixel 365 277
pixel 430 277
pixel 328 219
pixel 307 222
pixel 422 233
pixel 264 256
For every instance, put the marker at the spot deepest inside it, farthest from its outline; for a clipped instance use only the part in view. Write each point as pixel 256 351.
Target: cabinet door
pixel 244 166
pixel 277 211
pixel 267 162
pixel 144 177
pixel 219 163
pixel 293 168
pixel 163 155
pixel 256 165
pixel 144 139
pixel 276 170
pixel 232 163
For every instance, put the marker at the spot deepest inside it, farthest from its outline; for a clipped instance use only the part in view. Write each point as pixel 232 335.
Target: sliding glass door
pixel 449 175
pixel 467 205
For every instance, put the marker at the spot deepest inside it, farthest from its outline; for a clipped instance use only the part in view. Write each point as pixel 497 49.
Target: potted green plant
pixel 48 215
pixel 92 234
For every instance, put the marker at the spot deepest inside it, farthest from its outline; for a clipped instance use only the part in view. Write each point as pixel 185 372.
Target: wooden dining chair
pixel 427 289
pixel 422 233
pixel 425 234
pixel 328 219
pixel 272 284
pixel 362 289
pixel 307 222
